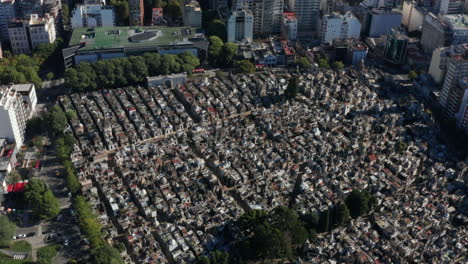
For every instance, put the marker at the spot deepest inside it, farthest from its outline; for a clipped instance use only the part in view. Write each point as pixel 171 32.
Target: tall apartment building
pixel 337 26
pixel 25 35
pixel 267 15
pixel 308 17
pixel 7 13
pixel 462 115
pixel 458 25
pixel 439 60
pixel 457 69
pixel 192 14
pixel 137 12
pixel 443 31
pixel 93 16
pixel 413 16
pixel 17 104
pixel 380 22
pixel 289 26
pixel 396 46
pixel 448 7
pixel 240 26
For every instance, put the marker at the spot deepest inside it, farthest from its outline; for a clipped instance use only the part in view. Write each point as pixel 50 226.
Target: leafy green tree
pixel 122 11
pixel 270 242
pixel 359 203
pixel 7 231
pixel 303 62
pixel 219 257
pixel 287 220
pixel 245 66
pixel 57 119
pixel 342 214
pixel 38 142
pixel 252 218
pixel 34 126
pixel 338 65
pixel 215 50
pixel 50 76
pixel 311 220
pixel 323 63
pixel 44 204
pixel 46 254
pixel 65 14
pixel 324 222
pixel 217 28
pixel 106 254
pixel 208 15
pixel 412 75
pixel 292 89
pixel 153 62
pixel 203 260
pixel 73 183
pixel 229 51
pixel 13 177
pixel 71 114
pixel 173 9
pixel 401 146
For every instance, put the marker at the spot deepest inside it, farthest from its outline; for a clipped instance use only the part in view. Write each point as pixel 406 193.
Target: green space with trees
pixel 46 254
pixel 43 202
pixel 221 54
pixel 213 25
pixel 274 235
pixel 245 66
pixel 121 72
pixel 7 231
pixel 303 62
pixel 122 12
pixel 360 203
pixel 101 251
pixel 29 69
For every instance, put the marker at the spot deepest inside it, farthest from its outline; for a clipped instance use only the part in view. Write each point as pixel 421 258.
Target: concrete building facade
pixel 7 13
pixel 240 26
pixel 439 61
pixel 137 11
pixel 15 110
pixel 308 16
pixel 435 34
pixel 25 35
pixel 289 26
pixel 380 22
pixel 457 69
pixel 396 47
pixel 337 26
pixel 413 16
pixel 192 14
pixel 93 16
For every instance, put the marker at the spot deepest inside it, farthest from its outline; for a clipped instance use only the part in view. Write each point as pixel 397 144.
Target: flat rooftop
pixel 123 37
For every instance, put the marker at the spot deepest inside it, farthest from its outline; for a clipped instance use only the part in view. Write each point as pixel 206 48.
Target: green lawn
pixel 18 246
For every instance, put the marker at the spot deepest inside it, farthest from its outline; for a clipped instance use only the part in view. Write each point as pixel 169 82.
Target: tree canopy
pixel 245 66
pixel 106 254
pixel 57 119
pixel 120 72
pixel 303 62
pixel 44 204
pixel 292 89
pixel 338 65
pixel 217 28
pixel 122 11
pixel 359 203
pixel 7 231
pixel 274 235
